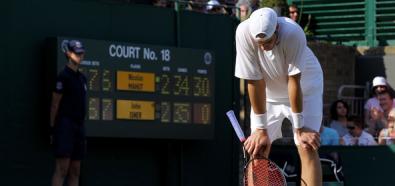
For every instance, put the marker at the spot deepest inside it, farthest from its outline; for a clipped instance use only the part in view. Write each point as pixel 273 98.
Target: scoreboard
pixel 146 91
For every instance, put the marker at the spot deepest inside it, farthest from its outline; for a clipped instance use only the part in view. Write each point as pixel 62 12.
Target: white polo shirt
pixel 363 140
pixel 289 57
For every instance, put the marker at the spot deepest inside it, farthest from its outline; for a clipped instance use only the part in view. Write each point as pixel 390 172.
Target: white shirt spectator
pixel 374 103
pixel 365 139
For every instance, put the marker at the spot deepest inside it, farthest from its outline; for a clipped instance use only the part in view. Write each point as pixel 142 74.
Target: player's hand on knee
pixel 308 138
pixel 258 144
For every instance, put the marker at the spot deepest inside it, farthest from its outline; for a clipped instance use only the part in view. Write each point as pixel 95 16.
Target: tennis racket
pixel 257 171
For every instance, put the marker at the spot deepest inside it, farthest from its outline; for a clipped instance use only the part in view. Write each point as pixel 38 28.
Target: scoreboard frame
pixel 143 91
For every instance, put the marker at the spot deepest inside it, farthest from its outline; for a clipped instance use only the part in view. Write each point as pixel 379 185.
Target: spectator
pixel 254 5
pixel 377 121
pixel 305 21
pixel 387 102
pixel 379 117
pixel 329 136
pixel 214 7
pixel 243 10
pixel 379 85
pixel 339 114
pixel 357 136
pixel 197 6
pixel 161 3
pixel 387 135
pixel 373 111
pixel 293 12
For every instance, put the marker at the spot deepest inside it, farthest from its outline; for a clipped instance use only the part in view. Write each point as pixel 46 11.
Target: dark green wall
pixel 25 154
pixel 362 165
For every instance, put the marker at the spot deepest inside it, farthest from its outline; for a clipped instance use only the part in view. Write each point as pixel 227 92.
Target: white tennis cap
pixel 379 81
pixel 263 21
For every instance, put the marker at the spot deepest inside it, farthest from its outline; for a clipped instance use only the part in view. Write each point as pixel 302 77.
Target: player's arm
pixel 56 97
pixel 295 94
pixel 247 67
pixel 296 100
pixel 307 137
pixel 258 144
pixel 257 94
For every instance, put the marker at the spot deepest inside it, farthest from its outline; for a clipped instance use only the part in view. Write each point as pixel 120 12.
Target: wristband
pixel 258 121
pixel 298 120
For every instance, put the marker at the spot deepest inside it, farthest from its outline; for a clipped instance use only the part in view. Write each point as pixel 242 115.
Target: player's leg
pixel 311 167
pixel 62 144
pixel 275 118
pixel 79 148
pixel 310 160
pixel 61 170
pixel 74 172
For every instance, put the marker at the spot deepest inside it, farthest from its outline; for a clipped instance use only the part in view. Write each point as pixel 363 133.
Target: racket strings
pixel 262 172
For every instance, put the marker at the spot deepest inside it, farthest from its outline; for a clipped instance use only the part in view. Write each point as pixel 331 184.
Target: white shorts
pixel 277 112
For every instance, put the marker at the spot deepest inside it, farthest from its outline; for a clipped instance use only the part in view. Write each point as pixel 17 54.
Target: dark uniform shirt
pixel 72 86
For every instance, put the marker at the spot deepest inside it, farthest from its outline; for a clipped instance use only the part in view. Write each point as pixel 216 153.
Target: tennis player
pixel 68 111
pixel 284 80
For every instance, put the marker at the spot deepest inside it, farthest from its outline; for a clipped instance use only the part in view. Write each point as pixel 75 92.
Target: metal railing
pixel 355 96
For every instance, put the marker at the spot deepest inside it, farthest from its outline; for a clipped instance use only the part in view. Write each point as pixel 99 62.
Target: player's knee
pixel 74 172
pixel 61 171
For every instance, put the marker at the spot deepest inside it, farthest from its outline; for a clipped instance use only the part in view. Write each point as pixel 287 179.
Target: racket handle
pixel 236 126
